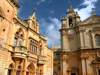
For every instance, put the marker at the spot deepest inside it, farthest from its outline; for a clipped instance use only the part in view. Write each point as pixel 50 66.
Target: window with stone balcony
pixel 18 39
pixel 97 39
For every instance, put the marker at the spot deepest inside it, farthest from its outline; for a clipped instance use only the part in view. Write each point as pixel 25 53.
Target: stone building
pixel 23 50
pixel 56 58
pixel 80 45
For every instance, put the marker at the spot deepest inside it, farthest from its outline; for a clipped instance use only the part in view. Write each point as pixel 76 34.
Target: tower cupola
pixel 70 10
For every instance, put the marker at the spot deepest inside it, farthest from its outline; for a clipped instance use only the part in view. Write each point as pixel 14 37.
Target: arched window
pixel 30 69
pixel 9 70
pixel 18 38
pixel 97 39
pixel 70 22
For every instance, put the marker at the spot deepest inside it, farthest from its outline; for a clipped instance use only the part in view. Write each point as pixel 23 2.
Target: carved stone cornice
pixel 31 60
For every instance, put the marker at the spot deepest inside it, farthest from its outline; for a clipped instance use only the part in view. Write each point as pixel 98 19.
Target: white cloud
pixel 87 10
pixel 41 1
pixel 52 30
pixel 50 11
pixel 18 11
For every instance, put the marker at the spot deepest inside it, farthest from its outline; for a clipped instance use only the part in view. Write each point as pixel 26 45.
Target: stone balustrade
pixel 19 51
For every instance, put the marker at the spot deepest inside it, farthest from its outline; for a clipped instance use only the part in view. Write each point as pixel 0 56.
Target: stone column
pixel 85 39
pixel 63 40
pixel 25 66
pixel 88 65
pixel 64 65
pixel 83 66
pixel 78 39
pixel 81 39
pixel 89 39
pixel 93 39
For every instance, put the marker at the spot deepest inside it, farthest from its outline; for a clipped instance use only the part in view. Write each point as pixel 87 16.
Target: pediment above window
pixel 95 30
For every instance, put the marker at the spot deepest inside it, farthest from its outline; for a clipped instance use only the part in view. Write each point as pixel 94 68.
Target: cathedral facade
pixel 23 50
pixel 79 53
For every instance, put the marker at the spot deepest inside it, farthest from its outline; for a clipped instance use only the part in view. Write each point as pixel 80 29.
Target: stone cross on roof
pixel 92 9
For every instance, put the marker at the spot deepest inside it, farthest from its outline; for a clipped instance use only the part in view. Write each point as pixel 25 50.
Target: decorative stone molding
pixel 64 58
pixel 32 60
pixel 63 33
pixel 94 56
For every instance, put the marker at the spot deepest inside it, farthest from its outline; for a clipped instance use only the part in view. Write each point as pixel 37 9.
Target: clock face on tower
pixel 70 31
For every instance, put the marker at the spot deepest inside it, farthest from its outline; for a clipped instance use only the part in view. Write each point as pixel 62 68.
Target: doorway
pixel 98 72
pixel 73 74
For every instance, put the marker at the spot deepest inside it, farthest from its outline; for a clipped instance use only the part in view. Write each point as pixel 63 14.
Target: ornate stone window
pixel 18 39
pixel 33 47
pixel 97 39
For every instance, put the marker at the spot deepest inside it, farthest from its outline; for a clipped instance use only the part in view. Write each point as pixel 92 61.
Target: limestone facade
pixel 80 45
pixel 23 50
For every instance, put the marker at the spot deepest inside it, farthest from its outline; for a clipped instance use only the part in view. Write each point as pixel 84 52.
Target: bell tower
pixel 68 29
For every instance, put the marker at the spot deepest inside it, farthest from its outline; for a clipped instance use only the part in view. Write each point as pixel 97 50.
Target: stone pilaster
pixel 85 65
pixel 82 40
pixel 64 65
pixel 88 65
pixel 63 40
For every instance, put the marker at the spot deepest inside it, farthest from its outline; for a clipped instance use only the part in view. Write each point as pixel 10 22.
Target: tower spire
pixel 34 16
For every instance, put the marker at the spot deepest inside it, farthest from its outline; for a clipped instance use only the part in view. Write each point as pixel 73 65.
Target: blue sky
pixel 49 14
